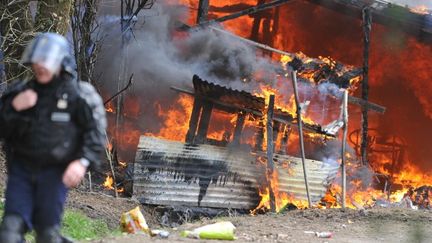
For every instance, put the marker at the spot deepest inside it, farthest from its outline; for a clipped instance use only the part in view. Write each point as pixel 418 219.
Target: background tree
pixel 18 27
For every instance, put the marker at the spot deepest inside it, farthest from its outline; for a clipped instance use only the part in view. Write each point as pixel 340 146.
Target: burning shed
pixel 223 173
pixel 399 61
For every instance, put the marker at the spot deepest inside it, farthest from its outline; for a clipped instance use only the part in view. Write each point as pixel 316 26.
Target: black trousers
pixel 36 194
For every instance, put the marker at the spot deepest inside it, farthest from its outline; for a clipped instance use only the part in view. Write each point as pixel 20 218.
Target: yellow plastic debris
pixel 134 222
pixel 217 231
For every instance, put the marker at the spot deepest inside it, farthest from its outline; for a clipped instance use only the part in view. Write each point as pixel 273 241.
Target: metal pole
pixel 270 164
pixel 344 141
pixel 300 131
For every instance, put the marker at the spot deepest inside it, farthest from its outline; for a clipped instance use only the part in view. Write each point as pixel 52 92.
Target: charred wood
pixel 230 8
pixel 204 122
pixel 367 26
pixel 249 11
pixel 193 122
pixel 239 128
pixel 270 149
pixel 203 8
pixel 259 136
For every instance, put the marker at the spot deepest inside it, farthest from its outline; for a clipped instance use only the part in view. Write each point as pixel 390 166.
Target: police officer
pixel 53 129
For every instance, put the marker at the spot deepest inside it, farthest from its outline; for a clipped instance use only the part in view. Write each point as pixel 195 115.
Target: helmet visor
pixel 46 53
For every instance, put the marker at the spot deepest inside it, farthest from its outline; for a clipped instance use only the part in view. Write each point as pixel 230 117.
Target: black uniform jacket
pixel 67 123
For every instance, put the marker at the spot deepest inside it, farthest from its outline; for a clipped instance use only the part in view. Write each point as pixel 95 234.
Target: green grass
pixel 80 227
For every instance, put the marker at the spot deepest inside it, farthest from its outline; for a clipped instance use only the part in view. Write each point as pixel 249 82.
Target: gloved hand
pixel 25 100
pixel 74 174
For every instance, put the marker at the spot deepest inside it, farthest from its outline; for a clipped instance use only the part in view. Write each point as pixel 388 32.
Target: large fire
pixel 399 78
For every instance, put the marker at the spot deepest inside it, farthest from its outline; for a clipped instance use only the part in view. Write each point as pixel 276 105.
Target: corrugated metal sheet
pixel 291 179
pixel 236 98
pixel 174 173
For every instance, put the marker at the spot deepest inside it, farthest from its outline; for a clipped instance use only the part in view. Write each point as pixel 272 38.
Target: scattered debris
pixel 160 233
pixel 217 231
pixel 324 234
pixel 134 222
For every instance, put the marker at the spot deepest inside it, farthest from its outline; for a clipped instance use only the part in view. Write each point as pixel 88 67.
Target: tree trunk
pixel 16 26
pixel 53 16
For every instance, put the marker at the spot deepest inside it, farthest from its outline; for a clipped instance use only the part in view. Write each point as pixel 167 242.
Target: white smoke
pixel 412 3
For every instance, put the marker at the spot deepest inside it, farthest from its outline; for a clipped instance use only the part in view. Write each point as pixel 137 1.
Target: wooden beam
pixel 203 8
pixel 367 26
pixel 300 131
pixel 193 122
pixel 366 104
pixel 204 123
pixel 253 43
pixel 270 148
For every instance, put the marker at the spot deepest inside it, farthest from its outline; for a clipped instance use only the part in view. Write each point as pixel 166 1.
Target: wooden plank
pixel 204 123
pixel 369 105
pixel 193 122
pixel 270 148
pixel 203 8
pixel 367 27
pixel 300 131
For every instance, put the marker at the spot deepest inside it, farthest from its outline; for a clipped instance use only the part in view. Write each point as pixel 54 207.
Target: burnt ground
pixel 376 225
pixel 373 225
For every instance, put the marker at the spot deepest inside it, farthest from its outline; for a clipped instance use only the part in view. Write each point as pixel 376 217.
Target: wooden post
pixel 204 123
pixel 344 143
pixel 300 131
pixel 239 128
pixel 203 8
pixel 270 147
pixel 256 23
pixel 193 122
pixel 367 26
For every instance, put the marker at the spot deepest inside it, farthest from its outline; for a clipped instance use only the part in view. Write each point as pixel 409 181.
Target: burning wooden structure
pixel 162 177
pixel 223 173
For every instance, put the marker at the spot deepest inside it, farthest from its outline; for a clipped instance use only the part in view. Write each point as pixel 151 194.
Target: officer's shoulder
pixel 89 93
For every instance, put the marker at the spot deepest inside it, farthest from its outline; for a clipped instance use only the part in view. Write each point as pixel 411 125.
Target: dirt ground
pixel 374 225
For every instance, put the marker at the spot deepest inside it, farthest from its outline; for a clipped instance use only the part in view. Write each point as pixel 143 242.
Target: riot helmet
pixel 51 51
